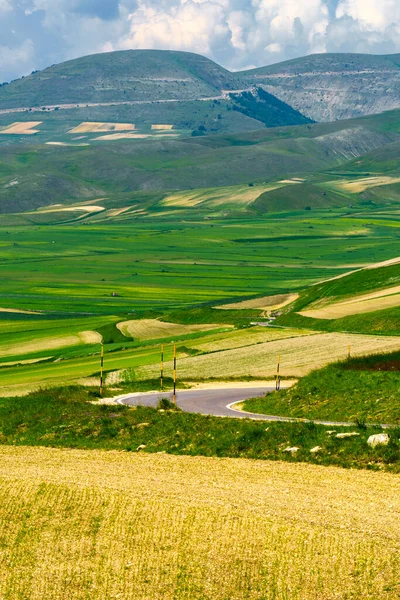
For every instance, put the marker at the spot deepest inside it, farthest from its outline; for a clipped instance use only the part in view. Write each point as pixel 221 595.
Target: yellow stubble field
pixel 105 525
pixel 299 355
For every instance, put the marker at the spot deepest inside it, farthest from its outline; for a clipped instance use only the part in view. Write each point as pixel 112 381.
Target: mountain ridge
pixel 323 87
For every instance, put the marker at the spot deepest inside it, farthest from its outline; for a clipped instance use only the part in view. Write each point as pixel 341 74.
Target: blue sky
pixel 235 33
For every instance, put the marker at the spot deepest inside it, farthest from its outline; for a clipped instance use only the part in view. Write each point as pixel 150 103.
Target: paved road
pixel 217 402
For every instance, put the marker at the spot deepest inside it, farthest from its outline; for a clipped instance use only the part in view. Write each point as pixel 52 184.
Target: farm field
pixel 299 355
pixel 88 276
pixel 108 524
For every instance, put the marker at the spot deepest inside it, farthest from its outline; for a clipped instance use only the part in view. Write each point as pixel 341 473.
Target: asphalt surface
pixel 216 402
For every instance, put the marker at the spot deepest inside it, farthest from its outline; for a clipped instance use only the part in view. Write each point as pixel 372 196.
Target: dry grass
pixel 299 356
pixel 19 128
pixel 387 298
pixel 147 329
pixel 162 127
pixel 360 185
pixel 123 136
pixel 85 208
pixel 266 303
pixel 238 194
pixel 65 144
pixel 91 524
pixel 245 337
pixel 50 343
pixel 94 127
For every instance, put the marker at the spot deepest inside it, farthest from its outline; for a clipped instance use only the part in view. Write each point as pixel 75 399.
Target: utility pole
pixel 101 368
pixel 278 377
pixel 162 367
pixel 174 394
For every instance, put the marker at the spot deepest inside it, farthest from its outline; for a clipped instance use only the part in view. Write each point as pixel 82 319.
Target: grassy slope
pixel 118 168
pixel 120 76
pixel 367 280
pixel 68 419
pixel 360 389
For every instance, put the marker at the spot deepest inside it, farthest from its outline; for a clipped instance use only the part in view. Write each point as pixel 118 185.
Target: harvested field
pixel 245 337
pixel 65 144
pixel 93 127
pixel 299 356
pixel 238 194
pixel 22 128
pixel 92 524
pixel 147 329
pixel 388 298
pixel 124 136
pixel 162 127
pixel 50 343
pixel 360 185
pixel 81 208
pixel 266 303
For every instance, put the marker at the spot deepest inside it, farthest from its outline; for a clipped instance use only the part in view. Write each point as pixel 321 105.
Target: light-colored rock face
pixel 333 87
pixel 379 439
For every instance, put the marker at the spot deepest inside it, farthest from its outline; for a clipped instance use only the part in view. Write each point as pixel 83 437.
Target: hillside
pixel 144 88
pixel 101 167
pixel 363 300
pixel 131 75
pixel 326 87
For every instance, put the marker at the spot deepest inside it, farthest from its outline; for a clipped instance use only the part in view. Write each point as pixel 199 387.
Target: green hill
pixel 366 301
pixel 326 87
pixel 142 87
pixel 130 75
pixel 324 155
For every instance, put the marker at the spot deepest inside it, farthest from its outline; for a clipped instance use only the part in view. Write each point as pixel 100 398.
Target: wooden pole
pixel 162 367
pixel 101 368
pixel 278 377
pixel 174 395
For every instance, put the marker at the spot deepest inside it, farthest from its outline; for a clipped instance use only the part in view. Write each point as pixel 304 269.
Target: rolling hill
pixel 195 94
pixel 326 87
pixel 140 87
pixel 366 300
pixel 34 174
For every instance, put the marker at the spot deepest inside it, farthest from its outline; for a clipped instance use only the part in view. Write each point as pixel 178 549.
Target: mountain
pixel 326 87
pixel 186 90
pixel 130 75
pixel 192 92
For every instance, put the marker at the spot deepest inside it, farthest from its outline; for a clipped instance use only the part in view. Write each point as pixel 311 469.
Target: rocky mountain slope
pixel 327 87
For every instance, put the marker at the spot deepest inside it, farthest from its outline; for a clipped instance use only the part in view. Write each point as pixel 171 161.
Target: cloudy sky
pixel 235 33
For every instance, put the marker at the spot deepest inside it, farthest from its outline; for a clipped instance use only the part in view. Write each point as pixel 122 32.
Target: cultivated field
pixel 299 356
pixel 389 298
pixel 266 303
pixel 94 524
pixel 147 329
pixel 91 127
pixel 26 128
pixel 239 195
pixel 49 343
pixel 361 184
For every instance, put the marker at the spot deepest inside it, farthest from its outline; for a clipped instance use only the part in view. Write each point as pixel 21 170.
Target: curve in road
pixel 219 403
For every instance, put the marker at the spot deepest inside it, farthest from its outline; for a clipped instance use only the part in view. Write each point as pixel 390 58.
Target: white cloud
pixel 235 33
pixel 20 57
pixel 375 15
pixel 5 6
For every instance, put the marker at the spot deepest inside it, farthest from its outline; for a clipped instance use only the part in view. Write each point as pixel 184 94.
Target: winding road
pixel 218 402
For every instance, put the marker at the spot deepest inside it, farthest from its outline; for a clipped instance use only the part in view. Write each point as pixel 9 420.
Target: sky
pixel 238 34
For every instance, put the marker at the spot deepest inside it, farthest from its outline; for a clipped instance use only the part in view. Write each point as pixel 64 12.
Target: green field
pixel 94 236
